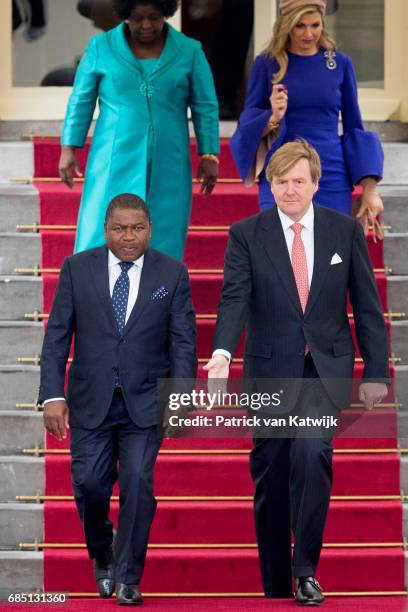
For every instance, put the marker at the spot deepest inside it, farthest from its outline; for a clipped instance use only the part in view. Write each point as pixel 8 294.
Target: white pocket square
pixel 336 259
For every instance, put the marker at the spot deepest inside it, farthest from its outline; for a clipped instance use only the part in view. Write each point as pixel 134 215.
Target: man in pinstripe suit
pixel 287 275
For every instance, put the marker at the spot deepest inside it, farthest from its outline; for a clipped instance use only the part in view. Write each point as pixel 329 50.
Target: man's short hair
pixel 126 201
pixel 289 154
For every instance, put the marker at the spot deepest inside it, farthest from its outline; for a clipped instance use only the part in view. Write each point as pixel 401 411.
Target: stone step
pixel 403 429
pixel 20 429
pixel 23 294
pixel 395 163
pixel 19 251
pixel 19 295
pixel 395 199
pixel 395 253
pixel 406 568
pixel 20 571
pixel 404 472
pixel 17 204
pixel 401 385
pixel 20 522
pixel 19 339
pixel 18 384
pixel 20 475
pixel 398 294
pixel 16 160
pixel 399 340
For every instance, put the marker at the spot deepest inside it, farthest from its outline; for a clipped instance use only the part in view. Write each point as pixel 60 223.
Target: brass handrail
pixel 27 180
pixel 38 227
pixel 36 360
pixel 169 498
pixel 37 271
pixel 79 545
pixel 228 451
pixel 39 316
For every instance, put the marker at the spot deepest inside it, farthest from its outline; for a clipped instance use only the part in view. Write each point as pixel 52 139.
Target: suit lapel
pixel 100 277
pixel 148 282
pixel 274 243
pixel 169 53
pixel 324 247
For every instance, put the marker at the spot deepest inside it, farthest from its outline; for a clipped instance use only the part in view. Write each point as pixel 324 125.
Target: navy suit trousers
pixel 293 479
pixel 116 449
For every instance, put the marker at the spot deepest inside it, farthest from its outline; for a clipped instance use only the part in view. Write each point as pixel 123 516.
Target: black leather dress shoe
pixel 104 575
pixel 128 595
pixel 308 592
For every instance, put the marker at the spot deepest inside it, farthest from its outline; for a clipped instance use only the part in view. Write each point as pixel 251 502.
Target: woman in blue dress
pixel 297 88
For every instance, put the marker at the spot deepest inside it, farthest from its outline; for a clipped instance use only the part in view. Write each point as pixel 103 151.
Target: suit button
pixel 115 370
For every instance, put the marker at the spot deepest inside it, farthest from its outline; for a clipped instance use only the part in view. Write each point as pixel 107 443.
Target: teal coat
pixel 141 141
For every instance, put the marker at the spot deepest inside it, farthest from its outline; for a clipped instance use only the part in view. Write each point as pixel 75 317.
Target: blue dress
pixel 316 97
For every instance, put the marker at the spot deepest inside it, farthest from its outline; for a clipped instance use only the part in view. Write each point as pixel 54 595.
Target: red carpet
pixel 217 522
pixel 249 604
pixel 203 522
pixel 185 474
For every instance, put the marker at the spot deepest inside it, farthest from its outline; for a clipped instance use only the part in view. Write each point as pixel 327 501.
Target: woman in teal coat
pixel 145 75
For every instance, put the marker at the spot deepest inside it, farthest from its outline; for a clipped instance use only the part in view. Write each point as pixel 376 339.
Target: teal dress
pixel 141 141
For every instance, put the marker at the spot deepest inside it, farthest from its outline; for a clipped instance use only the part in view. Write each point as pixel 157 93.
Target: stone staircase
pixel 21 424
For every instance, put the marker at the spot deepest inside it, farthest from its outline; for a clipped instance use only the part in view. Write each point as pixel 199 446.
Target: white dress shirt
pixel 308 241
pixel 114 272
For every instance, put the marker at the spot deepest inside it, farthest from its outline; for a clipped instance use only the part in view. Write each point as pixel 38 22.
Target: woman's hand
pixel 279 102
pixel 68 164
pixel 207 175
pixel 371 207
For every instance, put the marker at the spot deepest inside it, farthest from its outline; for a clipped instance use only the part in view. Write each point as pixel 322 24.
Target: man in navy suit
pixel 129 309
pixel 287 274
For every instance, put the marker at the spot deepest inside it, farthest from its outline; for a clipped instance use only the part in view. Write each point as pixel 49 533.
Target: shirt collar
pixel 113 260
pixel 307 220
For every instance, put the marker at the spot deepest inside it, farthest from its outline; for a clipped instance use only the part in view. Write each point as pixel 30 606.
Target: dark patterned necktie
pixel 120 295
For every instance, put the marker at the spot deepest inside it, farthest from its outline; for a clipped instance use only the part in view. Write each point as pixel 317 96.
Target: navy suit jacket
pixel 159 339
pixel 260 293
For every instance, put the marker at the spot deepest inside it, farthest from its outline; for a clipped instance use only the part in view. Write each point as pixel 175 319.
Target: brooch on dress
pixel 330 55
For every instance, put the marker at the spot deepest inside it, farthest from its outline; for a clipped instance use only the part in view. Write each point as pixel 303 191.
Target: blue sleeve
pixel 57 338
pixel 83 98
pixel 362 150
pixel 182 331
pixel 204 105
pixel 253 120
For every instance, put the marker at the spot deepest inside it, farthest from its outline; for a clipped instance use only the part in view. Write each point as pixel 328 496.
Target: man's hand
pixel 372 393
pixel 173 431
pixel 217 368
pixel 56 418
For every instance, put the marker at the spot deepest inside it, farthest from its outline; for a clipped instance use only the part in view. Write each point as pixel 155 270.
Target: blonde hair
pixel 284 24
pixel 289 154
